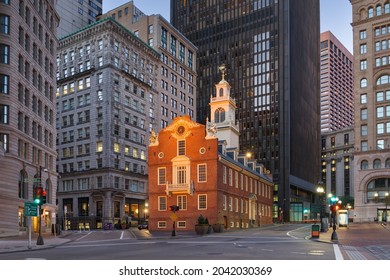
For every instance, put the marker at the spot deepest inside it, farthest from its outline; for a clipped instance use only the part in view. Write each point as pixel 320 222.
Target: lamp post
pixel 321 192
pixel 333 208
pixel 386 201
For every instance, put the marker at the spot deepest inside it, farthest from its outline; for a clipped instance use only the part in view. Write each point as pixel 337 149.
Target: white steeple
pixel 223 113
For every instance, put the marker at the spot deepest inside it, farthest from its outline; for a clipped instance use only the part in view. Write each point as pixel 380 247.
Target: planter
pixel 218 227
pixel 201 229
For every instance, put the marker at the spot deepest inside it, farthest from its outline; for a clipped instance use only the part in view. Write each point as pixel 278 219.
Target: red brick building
pixel 190 168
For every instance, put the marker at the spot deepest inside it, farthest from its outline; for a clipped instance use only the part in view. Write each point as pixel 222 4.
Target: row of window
pixel 376 164
pixel 99 182
pixel 28 152
pixel 383 80
pixel 86 165
pixel 25 126
pixel 378 10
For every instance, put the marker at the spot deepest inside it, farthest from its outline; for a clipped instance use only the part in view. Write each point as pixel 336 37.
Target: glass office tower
pixel 271 50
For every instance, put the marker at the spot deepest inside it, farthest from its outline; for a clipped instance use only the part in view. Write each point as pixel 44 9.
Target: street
pixel 279 242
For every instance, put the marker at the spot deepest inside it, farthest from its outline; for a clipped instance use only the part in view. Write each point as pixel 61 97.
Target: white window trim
pixel 161 224
pixel 158 175
pixel 205 165
pixel 199 195
pixel 159 205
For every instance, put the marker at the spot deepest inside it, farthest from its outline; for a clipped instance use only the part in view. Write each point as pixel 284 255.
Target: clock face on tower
pixel 180 130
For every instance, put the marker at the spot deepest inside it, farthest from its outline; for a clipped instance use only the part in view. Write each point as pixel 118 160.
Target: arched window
pixel 364 165
pixel 382 80
pixel 387 163
pixel 219 115
pixel 221 92
pixel 377 163
pixel 378 10
pixel 370 12
pixel 363 83
pixel 23 184
pixel 387 8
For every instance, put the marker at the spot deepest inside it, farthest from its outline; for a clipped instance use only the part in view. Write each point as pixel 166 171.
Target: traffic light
pixel 38 195
pixel 174 208
pixel 44 196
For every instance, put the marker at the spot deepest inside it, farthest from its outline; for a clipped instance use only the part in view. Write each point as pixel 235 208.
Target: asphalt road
pixel 284 242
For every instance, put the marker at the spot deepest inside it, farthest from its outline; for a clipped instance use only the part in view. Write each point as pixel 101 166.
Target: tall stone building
pixel 76 14
pixel 177 74
pixel 337 149
pixel 28 48
pixel 337 95
pixel 106 97
pixel 271 51
pixel 371 40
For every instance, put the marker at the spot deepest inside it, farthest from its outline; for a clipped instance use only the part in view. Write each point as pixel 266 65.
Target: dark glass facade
pixel 271 50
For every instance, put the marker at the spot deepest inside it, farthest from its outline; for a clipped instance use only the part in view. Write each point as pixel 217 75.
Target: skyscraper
pixel 76 14
pixel 28 47
pixel 337 111
pixel 271 51
pixel 371 40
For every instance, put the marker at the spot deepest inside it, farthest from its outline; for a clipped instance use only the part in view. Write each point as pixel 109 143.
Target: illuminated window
pixel 99 146
pixel 116 148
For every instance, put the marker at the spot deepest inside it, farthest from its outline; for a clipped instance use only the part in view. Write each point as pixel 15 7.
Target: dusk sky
pixel 336 15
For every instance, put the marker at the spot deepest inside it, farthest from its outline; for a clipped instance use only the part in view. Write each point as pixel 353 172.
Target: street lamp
pixel 321 192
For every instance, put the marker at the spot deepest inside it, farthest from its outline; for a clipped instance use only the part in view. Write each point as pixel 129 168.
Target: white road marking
pixel 83 236
pixel 337 252
pixel 122 234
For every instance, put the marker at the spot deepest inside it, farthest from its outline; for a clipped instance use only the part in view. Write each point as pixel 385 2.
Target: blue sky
pixel 336 15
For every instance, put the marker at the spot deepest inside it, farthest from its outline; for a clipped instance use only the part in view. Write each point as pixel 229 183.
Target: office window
pixel 4 85
pixel 4 114
pixel 363 34
pixel 4 24
pixel 4 54
pixel 363 98
pixel 363 114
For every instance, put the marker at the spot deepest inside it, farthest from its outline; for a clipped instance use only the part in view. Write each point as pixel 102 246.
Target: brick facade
pixel 229 200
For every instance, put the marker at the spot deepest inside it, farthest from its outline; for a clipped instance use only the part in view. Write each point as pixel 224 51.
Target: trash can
pixel 315 231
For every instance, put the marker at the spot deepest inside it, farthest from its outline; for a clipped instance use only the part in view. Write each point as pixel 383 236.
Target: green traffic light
pixel 37 201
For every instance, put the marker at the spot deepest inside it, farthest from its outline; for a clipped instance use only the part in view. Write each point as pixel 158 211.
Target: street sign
pixel 174 217
pixel 30 209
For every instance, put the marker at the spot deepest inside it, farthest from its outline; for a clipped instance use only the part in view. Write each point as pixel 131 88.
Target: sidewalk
pixel 367 241
pixel 20 243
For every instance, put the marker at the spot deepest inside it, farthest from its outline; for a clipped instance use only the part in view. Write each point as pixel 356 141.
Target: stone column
pixel 107 208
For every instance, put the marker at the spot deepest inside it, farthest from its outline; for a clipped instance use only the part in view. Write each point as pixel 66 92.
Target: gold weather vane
pixel 222 68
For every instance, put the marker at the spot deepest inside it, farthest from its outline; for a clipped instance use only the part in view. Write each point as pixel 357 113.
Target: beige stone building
pixel 371 36
pixel 106 100
pixel 177 74
pixel 28 48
